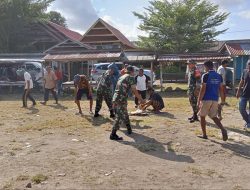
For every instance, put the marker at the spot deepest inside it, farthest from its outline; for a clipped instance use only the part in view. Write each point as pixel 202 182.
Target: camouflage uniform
pixel 192 84
pixel 104 91
pixel 120 97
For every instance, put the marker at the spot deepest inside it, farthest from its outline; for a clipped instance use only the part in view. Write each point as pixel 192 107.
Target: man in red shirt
pixel 59 76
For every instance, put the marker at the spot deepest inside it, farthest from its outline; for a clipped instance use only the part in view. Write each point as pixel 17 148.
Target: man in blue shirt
pixel 212 86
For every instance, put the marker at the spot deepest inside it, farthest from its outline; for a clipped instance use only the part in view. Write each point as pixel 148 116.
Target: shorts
pixel 80 92
pixel 209 108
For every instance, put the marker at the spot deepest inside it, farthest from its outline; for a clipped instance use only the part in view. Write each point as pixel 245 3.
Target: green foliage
pixel 15 15
pixel 57 18
pixel 180 25
pixel 39 178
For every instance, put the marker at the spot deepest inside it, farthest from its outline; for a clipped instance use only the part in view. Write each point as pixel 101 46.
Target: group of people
pixel 52 81
pixel 114 88
pixel 116 100
pixel 204 97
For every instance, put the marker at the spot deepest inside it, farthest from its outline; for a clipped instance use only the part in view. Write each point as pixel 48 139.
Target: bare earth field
pixel 53 148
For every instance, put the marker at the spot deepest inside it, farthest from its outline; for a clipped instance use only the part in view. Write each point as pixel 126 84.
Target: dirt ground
pixel 51 147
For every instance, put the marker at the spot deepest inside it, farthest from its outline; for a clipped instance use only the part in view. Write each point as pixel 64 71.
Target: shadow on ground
pixel 59 107
pixel 155 148
pixel 32 110
pixel 238 148
pixel 99 120
pixel 240 131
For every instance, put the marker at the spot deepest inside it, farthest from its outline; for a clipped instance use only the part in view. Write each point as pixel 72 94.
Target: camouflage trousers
pixel 121 116
pixel 193 102
pixel 107 96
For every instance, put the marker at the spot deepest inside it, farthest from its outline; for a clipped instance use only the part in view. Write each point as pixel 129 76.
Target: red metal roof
pixel 67 32
pixel 237 49
pixel 81 57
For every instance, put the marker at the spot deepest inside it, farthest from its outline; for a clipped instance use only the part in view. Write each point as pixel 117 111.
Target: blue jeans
pixel 242 107
pixel 59 87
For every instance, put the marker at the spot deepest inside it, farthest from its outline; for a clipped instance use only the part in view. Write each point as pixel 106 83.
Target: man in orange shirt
pixel 82 86
pixel 49 85
pixel 124 70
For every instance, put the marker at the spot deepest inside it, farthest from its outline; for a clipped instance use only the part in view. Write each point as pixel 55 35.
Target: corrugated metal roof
pixel 237 49
pixel 196 58
pixel 81 57
pixel 140 58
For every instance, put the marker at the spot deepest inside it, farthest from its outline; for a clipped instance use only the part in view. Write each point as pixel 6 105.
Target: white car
pixel 100 68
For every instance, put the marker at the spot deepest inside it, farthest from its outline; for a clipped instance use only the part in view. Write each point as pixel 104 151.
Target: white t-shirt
pixel 27 77
pixel 141 84
pixel 222 71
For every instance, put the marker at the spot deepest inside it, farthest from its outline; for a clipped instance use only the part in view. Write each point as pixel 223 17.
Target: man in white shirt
pixel 27 88
pixel 141 85
pixel 222 70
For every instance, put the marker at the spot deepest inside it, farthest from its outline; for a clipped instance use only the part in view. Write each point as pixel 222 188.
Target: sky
pixel 81 14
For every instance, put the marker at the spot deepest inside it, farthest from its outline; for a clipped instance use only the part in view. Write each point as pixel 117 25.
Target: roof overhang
pixel 82 57
pixel 196 57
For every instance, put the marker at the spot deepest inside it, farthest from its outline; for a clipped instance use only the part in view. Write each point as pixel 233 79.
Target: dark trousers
pixel 46 94
pixel 143 95
pixel 26 95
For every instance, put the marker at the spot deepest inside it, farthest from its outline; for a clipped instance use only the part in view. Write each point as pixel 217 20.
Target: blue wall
pixel 240 63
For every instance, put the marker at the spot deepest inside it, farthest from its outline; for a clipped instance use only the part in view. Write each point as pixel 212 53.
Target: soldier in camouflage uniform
pixel 124 84
pixel 104 91
pixel 193 77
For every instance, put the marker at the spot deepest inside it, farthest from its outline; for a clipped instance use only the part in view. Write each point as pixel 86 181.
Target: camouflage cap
pixel 130 69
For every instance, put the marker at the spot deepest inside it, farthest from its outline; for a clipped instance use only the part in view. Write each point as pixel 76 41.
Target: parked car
pixel 100 68
pixel 35 70
pixel 9 67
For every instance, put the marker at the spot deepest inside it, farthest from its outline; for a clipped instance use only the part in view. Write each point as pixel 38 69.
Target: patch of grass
pixel 72 153
pixel 210 172
pixel 17 148
pixel 193 170
pixel 171 147
pixel 39 178
pixel 237 187
pixel 22 178
pixel 11 153
pixel 211 132
pixel 8 186
pixel 146 147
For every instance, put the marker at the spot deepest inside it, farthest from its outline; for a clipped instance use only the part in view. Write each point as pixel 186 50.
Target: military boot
pixel 129 129
pixel 96 114
pixel 114 136
pixel 112 115
pixel 195 118
pixel 191 118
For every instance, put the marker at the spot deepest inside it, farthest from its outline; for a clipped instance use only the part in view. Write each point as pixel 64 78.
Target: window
pixel 30 67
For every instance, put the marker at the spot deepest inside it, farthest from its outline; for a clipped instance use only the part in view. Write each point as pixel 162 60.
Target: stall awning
pixel 81 57
pixel 172 58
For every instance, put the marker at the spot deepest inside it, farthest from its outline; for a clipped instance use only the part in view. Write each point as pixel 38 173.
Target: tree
pixel 14 16
pixel 57 18
pixel 179 26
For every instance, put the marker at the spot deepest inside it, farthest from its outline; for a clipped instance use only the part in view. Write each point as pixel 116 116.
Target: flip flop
pixel 202 136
